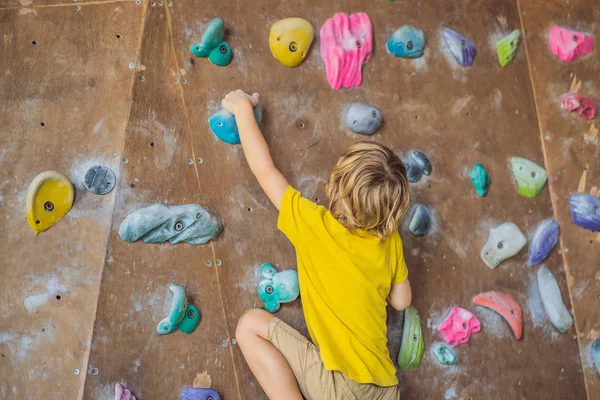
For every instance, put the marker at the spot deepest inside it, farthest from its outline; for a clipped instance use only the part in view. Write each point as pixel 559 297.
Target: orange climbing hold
pixel 504 305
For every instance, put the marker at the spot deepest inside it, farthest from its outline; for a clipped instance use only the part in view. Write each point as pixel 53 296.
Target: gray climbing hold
pixel 417 165
pixel 99 179
pixel 503 242
pixel 552 300
pixel 420 221
pixel 363 118
pixel 158 223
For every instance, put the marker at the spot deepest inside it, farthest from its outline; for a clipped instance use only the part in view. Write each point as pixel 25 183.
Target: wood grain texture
pixel 571 148
pixel 82 96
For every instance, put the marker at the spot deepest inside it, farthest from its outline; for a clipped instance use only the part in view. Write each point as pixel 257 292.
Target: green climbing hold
pixel 506 48
pixel 412 346
pixel 212 45
pixel 182 316
pixel 481 180
pixel 530 177
pixel 444 354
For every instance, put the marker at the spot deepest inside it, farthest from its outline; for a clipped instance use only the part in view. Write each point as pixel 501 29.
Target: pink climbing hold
pixel 568 44
pixel 123 394
pixel 585 107
pixel 346 44
pixel 458 326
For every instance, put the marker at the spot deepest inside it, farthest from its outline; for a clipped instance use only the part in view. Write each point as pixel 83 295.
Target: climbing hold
pixel 363 118
pixel 462 49
pixel 183 316
pixel 584 107
pixel 158 223
pixel 504 305
pixel 99 179
pixel 122 393
pixel 481 180
pixel 346 44
pixel 530 177
pixel 543 241
pixel 503 242
pixel 222 124
pixel 277 287
pixel 458 326
pixel 212 46
pixel 49 198
pixel 585 211
pixel 552 300
pixel 406 42
pixel 568 44
pixel 290 39
pixel 444 354
pixel 596 354
pixel 506 48
pixel 412 345
pixel 417 166
pixel 189 393
pixel 420 221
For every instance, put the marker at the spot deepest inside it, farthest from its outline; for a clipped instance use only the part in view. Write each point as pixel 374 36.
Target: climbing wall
pixel 114 83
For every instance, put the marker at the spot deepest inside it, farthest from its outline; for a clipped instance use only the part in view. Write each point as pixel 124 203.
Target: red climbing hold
pixel 504 305
pixel 585 107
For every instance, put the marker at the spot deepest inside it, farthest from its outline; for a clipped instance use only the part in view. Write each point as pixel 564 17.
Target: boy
pixel 350 266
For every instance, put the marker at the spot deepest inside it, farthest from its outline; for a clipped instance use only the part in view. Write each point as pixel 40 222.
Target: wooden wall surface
pixel 140 103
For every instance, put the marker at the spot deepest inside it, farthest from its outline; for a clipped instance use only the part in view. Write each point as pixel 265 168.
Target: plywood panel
pixel 456 116
pixel 158 166
pixel 571 149
pixel 79 6
pixel 81 97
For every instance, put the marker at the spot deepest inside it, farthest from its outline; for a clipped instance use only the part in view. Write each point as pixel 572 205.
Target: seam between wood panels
pixel 115 196
pixel 89 3
pixel 552 196
pixel 187 119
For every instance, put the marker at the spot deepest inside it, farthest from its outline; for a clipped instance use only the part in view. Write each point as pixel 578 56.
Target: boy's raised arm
pixel 254 145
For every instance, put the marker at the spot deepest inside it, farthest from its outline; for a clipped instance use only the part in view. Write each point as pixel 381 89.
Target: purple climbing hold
pixel 543 241
pixel 199 394
pixel 585 211
pixel 461 48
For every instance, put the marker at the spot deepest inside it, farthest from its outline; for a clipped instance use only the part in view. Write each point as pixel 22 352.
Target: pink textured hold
pixel 585 107
pixel 346 44
pixel 568 44
pixel 123 394
pixel 458 326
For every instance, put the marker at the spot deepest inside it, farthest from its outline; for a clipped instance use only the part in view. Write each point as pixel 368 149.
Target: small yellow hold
pixel 49 198
pixel 290 39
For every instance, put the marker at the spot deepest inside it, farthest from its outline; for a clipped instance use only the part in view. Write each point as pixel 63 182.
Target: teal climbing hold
pixel 182 316
pixel 277 287
pixel 480 179
pixel 212 44
pixel 444 354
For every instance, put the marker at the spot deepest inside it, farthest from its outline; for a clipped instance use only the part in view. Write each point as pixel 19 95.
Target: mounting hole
pixel 249 209
pixel 77 8
pixel 199 160
pixel 416 117
pixel 269 289
pixel 132 185
pixel 43 123
pixel 118 35
pixel 48 206
pixel 58 297
pixel 218 263
pixel 191 314
pixel 33 42
pixel 37 222
pixel 208 263
pixel 142 78
pixel 152 144
pixel 191 162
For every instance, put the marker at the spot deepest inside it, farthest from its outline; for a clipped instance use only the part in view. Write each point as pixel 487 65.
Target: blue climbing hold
pixel 543 241
pixel 223 125
pixel 407 42
pixel 585 211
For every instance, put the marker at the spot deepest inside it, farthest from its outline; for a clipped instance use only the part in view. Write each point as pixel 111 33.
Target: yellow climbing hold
pixel 49 198
pixel 290 39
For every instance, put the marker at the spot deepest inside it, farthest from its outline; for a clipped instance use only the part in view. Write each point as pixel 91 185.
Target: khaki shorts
pixel 316 383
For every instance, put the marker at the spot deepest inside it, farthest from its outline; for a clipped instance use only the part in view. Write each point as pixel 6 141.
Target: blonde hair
pixel 368 189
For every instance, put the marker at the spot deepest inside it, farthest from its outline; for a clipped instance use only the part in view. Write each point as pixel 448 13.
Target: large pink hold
pixel 346 44
pixel 568 44
pixel 458 326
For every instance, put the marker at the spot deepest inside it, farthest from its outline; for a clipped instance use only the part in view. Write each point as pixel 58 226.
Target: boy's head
pixel 368 189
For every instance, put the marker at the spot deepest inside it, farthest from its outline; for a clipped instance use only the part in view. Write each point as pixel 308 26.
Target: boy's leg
pixel 267 363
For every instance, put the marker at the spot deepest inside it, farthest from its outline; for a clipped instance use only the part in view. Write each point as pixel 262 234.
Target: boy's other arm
pixel 254 145
pixel 400 295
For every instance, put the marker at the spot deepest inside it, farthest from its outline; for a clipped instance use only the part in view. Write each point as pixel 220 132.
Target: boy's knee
pixel 251 322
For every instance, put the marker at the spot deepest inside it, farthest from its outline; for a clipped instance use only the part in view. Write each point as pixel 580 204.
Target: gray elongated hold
pixel 503 242
pixel 99 179
pixel 158 223
pixel 552 300
pixel 363 118
pixel 420 221
pixel 417 165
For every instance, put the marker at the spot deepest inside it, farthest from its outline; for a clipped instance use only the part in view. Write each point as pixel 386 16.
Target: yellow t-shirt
pixel 345 280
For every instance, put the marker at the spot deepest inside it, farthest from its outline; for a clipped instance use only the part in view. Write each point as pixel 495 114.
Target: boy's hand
pixel 238 100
